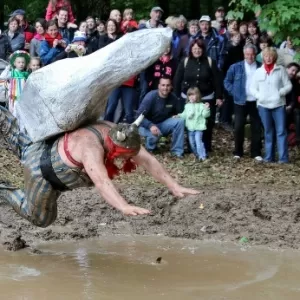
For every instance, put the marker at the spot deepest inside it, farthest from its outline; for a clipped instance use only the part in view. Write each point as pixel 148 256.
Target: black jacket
pixel 198 73
pixel 158 70
pixel 92 42
pixel 105 40
pixel 5 47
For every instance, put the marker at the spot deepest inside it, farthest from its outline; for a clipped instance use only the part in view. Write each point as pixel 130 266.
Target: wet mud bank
pixel 264 216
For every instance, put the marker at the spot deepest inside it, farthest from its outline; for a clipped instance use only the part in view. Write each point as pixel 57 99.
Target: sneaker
pixel 236 157
pixel 258 159
pixel 174 155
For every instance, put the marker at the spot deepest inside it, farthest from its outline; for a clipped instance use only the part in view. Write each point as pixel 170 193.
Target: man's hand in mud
pixel 131 210
pixel 180 191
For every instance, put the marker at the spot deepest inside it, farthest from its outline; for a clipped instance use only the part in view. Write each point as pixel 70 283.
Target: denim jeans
pixel 197 146
pixel 274 121
pixel 127 95
pixel 144 86
pixel 172 126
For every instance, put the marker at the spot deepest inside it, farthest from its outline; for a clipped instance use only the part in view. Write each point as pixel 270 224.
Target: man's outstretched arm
pixel 156 169
pixel 93 161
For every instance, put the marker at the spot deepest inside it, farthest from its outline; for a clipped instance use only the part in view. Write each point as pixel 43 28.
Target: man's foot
pixel 258 159
pixel 236 157
pixel 178 156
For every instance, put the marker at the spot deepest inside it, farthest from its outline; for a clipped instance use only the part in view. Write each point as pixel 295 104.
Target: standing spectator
pixel 53 43
pixel 24 28
pixel 54 7
pixel 195 114
pixel 159 107
pixel 16 39
pixel 155 19
pixel 83 27
pixel 214 43
pixel 287 51
pixel 199 70
pixel 115 14
pixel 180 33
pixel 243 29
pixel 92 35
pixel 76 48
pixel 269 86
pixel 154 22
pixel 128 20
pixel 237 82
pixel 65 28
pixel 185 41
pixel 111 34
pixel 253 33
pixel 291 98
pixel 264 41
pixel 35 44
pixel 5 47
pixel 16 73
pixel 164 67
pixel 101 27
pixel 220 20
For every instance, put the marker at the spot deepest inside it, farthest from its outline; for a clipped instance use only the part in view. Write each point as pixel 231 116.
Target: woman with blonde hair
pixel 269 86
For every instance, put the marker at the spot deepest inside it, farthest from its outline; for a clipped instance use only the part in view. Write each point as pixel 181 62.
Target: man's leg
pixel 151 140
pixel 297 125
pixel 255 124
pixel 279 117
pixel 200 145
pixel 207 134
pixel 239 129
pixel 267 120
pixel 128 94
pixel 176 127
pixel 112 104
pixel 9 129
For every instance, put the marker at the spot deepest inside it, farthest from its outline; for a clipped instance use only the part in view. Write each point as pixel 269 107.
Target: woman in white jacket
pixel 269 86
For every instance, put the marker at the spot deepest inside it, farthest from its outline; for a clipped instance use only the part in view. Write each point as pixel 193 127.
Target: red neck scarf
pixel 115 151
pixel 50 39
pixel 269 68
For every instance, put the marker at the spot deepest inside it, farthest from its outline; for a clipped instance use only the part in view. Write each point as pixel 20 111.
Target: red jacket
pixel 131 23
pixel 130 82
pixel 28 31
pixel 52 11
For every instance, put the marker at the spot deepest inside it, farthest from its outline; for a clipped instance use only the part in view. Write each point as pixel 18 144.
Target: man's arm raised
pixel 156 169
pixel 93 161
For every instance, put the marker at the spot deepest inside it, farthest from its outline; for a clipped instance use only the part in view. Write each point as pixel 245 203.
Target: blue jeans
pixel 170 126
pixel 197 146
pixel 127 95
pixel 274 121
pixel 144 86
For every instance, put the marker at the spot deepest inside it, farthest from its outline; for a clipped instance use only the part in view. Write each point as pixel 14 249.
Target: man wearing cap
pixel 215 44
pixel 220 19
pixel 25 28
pixel 80 158
pixel 155 19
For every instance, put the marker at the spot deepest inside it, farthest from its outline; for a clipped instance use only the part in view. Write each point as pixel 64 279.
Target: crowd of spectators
pixel 215 70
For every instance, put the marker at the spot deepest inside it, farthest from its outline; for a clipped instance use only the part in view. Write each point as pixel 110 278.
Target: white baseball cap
pixel 205 18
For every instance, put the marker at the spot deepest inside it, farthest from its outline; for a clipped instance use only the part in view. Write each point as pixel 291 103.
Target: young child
pixel 128 20
pixel 195 114
pixel 35 64
pixel 16 73
pixel 55 5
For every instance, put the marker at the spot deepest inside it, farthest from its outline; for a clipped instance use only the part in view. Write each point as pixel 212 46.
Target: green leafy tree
pixel 280 17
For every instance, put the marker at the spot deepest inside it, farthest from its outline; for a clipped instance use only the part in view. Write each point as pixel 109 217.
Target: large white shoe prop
pixel 72 92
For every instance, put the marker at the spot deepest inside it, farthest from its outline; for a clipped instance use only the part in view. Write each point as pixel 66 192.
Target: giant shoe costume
pixel 49 109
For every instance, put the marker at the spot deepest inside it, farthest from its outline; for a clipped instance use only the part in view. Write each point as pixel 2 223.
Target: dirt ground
pixel 238 199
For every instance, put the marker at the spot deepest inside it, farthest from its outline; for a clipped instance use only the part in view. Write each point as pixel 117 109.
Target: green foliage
pixel 281 17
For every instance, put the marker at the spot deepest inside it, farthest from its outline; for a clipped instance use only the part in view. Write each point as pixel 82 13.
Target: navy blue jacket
pixel 157 109
pixel 235 82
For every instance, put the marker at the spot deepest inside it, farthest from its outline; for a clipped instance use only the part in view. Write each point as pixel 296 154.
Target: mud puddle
pixel 129 268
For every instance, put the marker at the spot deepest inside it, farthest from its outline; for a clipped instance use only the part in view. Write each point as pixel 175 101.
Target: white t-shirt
pixel 250 70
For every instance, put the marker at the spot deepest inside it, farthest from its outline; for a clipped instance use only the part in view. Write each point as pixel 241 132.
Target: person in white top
pixel 237 83
pixel 269 86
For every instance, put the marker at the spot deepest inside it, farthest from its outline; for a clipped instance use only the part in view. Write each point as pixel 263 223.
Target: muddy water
pixel 126 268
